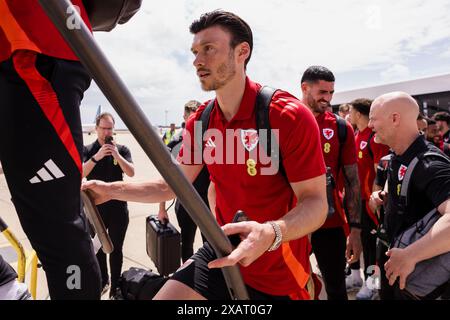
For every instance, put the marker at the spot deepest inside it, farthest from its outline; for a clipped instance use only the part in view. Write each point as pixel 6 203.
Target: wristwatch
pixel 93 160
pixel 278 236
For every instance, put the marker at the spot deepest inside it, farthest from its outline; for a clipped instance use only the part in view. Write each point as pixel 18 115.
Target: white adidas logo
pixel 44 175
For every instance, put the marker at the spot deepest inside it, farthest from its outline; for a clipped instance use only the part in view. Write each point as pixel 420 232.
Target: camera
pixel 109 139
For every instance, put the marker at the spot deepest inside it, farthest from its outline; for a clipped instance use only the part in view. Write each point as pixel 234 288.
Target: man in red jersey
pixel 330 244
pixel 282 207
pixel 41 143
pixel 368 154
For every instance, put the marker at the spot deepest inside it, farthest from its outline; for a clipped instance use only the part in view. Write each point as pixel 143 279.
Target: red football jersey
pixel 330 148
pixel 367 163
pixel 242 185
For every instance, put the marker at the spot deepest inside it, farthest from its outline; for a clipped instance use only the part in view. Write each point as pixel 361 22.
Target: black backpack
pixel 438 265
pixel 139 284
pixel 262 105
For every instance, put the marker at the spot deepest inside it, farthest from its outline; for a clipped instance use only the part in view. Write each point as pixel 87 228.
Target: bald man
pixel 393 119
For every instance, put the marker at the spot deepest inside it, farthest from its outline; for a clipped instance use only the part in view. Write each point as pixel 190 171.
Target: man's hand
pixel 354 246
pixel 100 190
pixel 112 149
pixel 376 200
pixel 256 238
pixel 162 215
pixel 399 265
pixel 105 150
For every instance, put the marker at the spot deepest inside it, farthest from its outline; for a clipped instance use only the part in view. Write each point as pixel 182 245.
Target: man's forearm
pixel 150 192
pixel 305 218
pixel 352 193
pixel 126 166
pixel 87 167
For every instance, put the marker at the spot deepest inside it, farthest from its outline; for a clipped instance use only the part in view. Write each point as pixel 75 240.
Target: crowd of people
pixel 336 185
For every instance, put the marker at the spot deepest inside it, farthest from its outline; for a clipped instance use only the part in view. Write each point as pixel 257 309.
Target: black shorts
pixel 210 283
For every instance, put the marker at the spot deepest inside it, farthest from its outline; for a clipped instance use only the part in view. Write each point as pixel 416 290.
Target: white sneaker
pixel 366 294
pixel 353 282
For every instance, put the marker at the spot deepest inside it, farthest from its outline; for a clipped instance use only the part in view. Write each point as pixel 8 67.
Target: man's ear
pixel 243 51
pixel 395 119
pixel 304 87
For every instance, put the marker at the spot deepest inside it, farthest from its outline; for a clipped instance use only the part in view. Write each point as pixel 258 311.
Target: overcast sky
pixel 363 42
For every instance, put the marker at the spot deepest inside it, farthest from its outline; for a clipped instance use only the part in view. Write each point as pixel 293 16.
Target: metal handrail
pixel 96 220
pixel 91 56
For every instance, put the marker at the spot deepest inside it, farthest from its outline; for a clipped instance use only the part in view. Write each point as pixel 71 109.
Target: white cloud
pixel 151 52
pixel 445 54
pixel 397 72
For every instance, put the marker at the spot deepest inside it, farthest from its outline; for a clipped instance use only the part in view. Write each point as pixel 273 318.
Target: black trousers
pixel 40 149
pixel 329 248
pixel 387 292
pixel 368 241
pixel 116 221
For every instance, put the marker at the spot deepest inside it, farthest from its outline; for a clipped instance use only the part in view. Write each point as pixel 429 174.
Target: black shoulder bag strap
pixel 204 119
pixel 406 180
pixel 369 148
pixel 268 141
pixel 342 135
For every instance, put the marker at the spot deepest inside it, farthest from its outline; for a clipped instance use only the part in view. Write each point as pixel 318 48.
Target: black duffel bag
pixel 139 284
pixel 104 15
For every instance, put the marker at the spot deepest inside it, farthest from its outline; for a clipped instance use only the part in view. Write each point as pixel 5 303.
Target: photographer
pixel 107 161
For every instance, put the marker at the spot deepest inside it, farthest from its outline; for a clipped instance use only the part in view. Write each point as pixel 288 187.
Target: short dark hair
pixel 104 115
pixel 239 29
pixel 317 73
pixel 362 105
pixel 442 116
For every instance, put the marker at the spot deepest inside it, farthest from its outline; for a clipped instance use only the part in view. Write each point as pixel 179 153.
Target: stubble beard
pixel 314 105
pixel 225 72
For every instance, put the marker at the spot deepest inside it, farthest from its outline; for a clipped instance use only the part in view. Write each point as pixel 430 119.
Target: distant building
pixel 432 93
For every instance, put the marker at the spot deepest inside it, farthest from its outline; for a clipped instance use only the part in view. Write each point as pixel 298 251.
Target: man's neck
pixel 307 105
pixel 230 96
pixel 406 141
pixel 362 125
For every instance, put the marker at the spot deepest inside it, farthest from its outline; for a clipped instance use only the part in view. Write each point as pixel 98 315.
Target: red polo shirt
pixel 330 148
pixel 262 197
pixel 24 25
pixel 367 163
